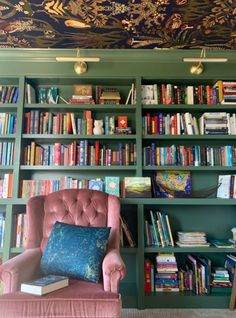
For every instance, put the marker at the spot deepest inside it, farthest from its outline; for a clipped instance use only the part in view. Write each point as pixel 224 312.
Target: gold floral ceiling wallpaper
pixel 118 24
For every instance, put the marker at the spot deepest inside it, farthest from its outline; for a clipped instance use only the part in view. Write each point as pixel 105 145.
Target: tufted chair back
pixel 73 206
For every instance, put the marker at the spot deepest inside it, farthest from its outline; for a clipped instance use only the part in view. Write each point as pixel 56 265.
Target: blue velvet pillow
pixel 75 251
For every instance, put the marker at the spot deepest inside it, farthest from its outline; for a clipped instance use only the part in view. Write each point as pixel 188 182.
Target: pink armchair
pixel 80 298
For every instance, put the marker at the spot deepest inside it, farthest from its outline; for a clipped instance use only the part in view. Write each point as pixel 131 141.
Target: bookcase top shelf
pixel 78 137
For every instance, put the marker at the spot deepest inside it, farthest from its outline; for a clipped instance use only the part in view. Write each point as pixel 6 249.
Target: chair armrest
pixel 19 269
pixel 114 270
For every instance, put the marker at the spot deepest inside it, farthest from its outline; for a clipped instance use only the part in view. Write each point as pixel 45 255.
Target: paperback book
pixel 45 284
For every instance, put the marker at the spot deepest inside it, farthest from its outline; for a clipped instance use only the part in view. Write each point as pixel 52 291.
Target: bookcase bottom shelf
pixel 129 295
pixel 186 300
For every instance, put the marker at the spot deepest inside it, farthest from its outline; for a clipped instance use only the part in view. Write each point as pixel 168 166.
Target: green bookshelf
pixel 119 68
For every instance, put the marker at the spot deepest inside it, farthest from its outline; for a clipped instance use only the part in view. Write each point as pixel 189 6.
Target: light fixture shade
pixel 196 69
pixel 80 67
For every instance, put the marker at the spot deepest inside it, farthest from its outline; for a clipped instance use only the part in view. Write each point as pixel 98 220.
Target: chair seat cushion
pixel 75 251
pixel 79 300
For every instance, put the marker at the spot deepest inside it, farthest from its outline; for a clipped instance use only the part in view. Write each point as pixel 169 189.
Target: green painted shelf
pixel 76 108
pixel 8 107
pixel 189 201
pixel 177 249
pixel 7 136
pixel 128 250
pixel 196 108
pixel 78 168
pixel 6 168
pixel 17 250
pixel 186 300
pixel 191 168
pixel 78 137
pixel 190 137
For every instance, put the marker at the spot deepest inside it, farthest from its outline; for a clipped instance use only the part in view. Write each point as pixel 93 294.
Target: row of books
pixel 197 274
pixel 168 93
pixel 82 153
pixel 37 122
pixel 6 182
pixel 158 233
pixel 41 95
pixel 2 228
pixel 127 187
pixel 226 187
pixel 7 153
pixel 7 123
pixel 109 184
pixel 158 230
pixel 165 184
pixel 196 155
pixel 164 93
pixel 188 124
pixel 9 94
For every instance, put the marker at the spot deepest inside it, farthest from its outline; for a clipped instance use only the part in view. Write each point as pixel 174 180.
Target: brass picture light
pixel 197 67
pixel 80 65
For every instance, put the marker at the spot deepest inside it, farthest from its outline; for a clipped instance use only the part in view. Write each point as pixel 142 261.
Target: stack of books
pixel 215 123
pixel 220 279
pixel 229 93
pixel 82 94
pixel 166 277
pixel 190 239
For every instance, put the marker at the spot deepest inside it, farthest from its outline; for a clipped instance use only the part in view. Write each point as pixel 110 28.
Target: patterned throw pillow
pixel 75 251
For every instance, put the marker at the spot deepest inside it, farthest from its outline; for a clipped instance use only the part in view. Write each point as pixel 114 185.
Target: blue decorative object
pixel 75 251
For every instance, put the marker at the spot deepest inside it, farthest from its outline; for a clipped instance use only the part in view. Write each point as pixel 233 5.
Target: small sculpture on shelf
pixel 98 127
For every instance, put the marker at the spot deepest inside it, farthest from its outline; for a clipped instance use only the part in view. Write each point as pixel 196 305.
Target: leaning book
pixel 44 285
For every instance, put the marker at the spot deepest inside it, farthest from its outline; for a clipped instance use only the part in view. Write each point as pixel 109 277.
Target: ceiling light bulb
pixel 80 67
pixel 196 69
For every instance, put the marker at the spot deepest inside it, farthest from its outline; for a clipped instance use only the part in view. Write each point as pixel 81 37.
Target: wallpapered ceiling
pixel 118 24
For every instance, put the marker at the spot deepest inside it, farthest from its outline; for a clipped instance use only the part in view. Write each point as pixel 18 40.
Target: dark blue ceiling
pixel 118 24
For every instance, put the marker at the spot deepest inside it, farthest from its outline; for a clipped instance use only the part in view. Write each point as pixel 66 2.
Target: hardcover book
pixel 96 184
pixel 44 285
pixel 112 185
pixel 172 184
pixel 137 187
